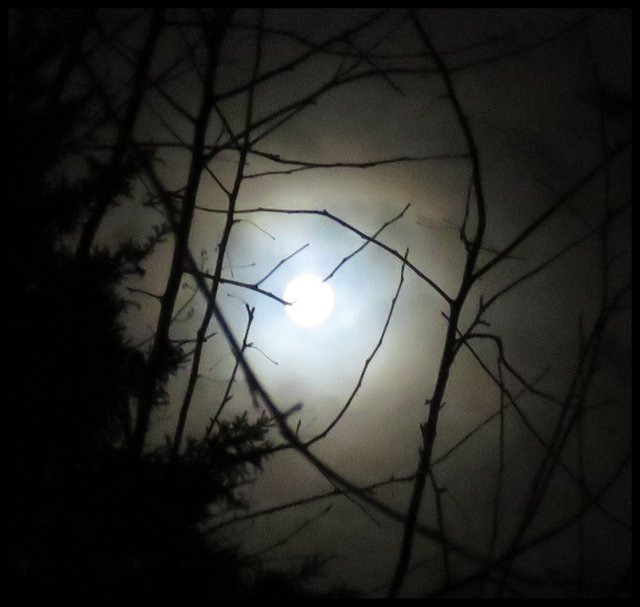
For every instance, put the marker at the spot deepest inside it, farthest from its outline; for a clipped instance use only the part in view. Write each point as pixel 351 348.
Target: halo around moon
pixel 311 300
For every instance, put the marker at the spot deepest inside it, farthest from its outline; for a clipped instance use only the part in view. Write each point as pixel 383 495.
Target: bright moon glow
pixel 311 299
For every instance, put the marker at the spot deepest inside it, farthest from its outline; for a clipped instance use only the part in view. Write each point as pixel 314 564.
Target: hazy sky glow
pixel 536 118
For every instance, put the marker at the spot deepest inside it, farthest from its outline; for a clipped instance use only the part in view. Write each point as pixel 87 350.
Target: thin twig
pixel 289 536
pixel 280 263
pixel 307 500
pixel 300 165
pixel 358 385
pixel 232 378
pixel 559 203
pixel 354 253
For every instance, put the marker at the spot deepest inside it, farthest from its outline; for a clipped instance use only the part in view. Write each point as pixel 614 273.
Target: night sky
pixel 546 96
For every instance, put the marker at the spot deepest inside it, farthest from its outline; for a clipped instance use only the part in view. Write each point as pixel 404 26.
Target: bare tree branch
pixel 344 224
pixel 366 364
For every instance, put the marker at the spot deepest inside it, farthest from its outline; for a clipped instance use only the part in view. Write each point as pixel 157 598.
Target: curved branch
pixel 348 226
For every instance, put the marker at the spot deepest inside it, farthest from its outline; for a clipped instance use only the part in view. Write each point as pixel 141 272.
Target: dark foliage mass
pixel 88 517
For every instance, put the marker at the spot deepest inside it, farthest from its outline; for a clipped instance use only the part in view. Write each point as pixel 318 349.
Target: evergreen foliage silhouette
pixel 87 518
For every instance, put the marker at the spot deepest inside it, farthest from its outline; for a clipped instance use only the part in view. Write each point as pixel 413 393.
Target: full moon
pixel 311 300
